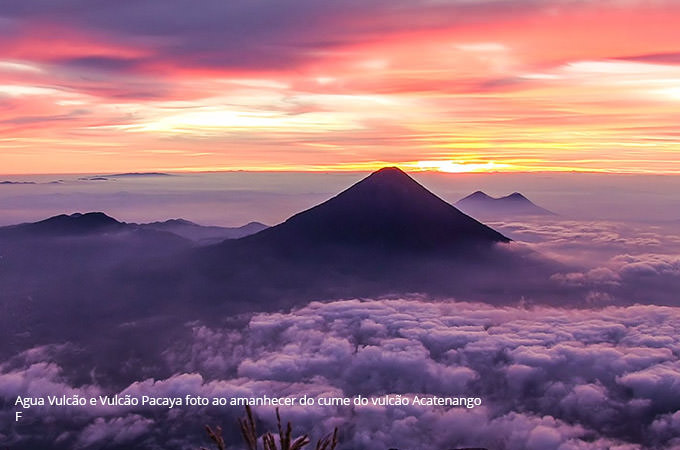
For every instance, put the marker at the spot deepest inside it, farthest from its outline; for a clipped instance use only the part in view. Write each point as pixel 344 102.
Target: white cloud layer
pixel 550 378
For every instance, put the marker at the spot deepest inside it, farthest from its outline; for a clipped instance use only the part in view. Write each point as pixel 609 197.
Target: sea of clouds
pixel 607 262
pixel 549 378
pixel 603 375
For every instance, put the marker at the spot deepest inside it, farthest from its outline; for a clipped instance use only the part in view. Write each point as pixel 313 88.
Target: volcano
pixel 480 204
pixel 385 234
pixel 386 211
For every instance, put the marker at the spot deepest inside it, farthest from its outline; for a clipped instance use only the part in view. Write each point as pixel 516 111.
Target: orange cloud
pixel 449 86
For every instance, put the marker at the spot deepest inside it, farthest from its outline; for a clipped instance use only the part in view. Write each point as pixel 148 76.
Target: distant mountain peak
pixel 76 223
pixel 517 195
pixel 479 203
pixel 204 235
pixel 178 221
pixel 479 195
pixel 93 218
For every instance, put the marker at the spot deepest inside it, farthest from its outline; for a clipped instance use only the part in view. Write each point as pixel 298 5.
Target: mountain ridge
pixel 93 223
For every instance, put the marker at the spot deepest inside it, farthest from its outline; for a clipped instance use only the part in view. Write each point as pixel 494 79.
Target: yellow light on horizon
pixel 461 167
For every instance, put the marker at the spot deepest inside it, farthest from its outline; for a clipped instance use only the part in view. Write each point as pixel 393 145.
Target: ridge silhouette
pixel 71 224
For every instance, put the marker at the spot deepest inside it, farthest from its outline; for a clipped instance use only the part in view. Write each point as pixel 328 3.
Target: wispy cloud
pixel 530 85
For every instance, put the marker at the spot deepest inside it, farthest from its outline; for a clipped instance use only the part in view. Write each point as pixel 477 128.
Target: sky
pixel 448 85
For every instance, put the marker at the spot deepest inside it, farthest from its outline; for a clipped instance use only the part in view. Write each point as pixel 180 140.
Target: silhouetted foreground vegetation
pixel 286 442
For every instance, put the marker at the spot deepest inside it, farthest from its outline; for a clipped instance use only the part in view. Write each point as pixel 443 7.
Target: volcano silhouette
pixel 387 211
pixel 480 204
pixel 386 234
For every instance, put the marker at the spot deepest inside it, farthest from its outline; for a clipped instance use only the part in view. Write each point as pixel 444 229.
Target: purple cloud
pixel 549 377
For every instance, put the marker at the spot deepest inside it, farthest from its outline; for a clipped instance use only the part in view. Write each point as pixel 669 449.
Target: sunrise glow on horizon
pixel 449 85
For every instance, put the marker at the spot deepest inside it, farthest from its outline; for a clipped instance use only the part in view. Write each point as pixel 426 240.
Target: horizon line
pixel 347 170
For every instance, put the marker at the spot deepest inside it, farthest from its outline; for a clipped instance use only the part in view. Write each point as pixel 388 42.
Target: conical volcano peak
pixel 389 191
pixel 517 196
pixel 478 195
pixel 387 210
pixel 391 171
pixel 389 176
